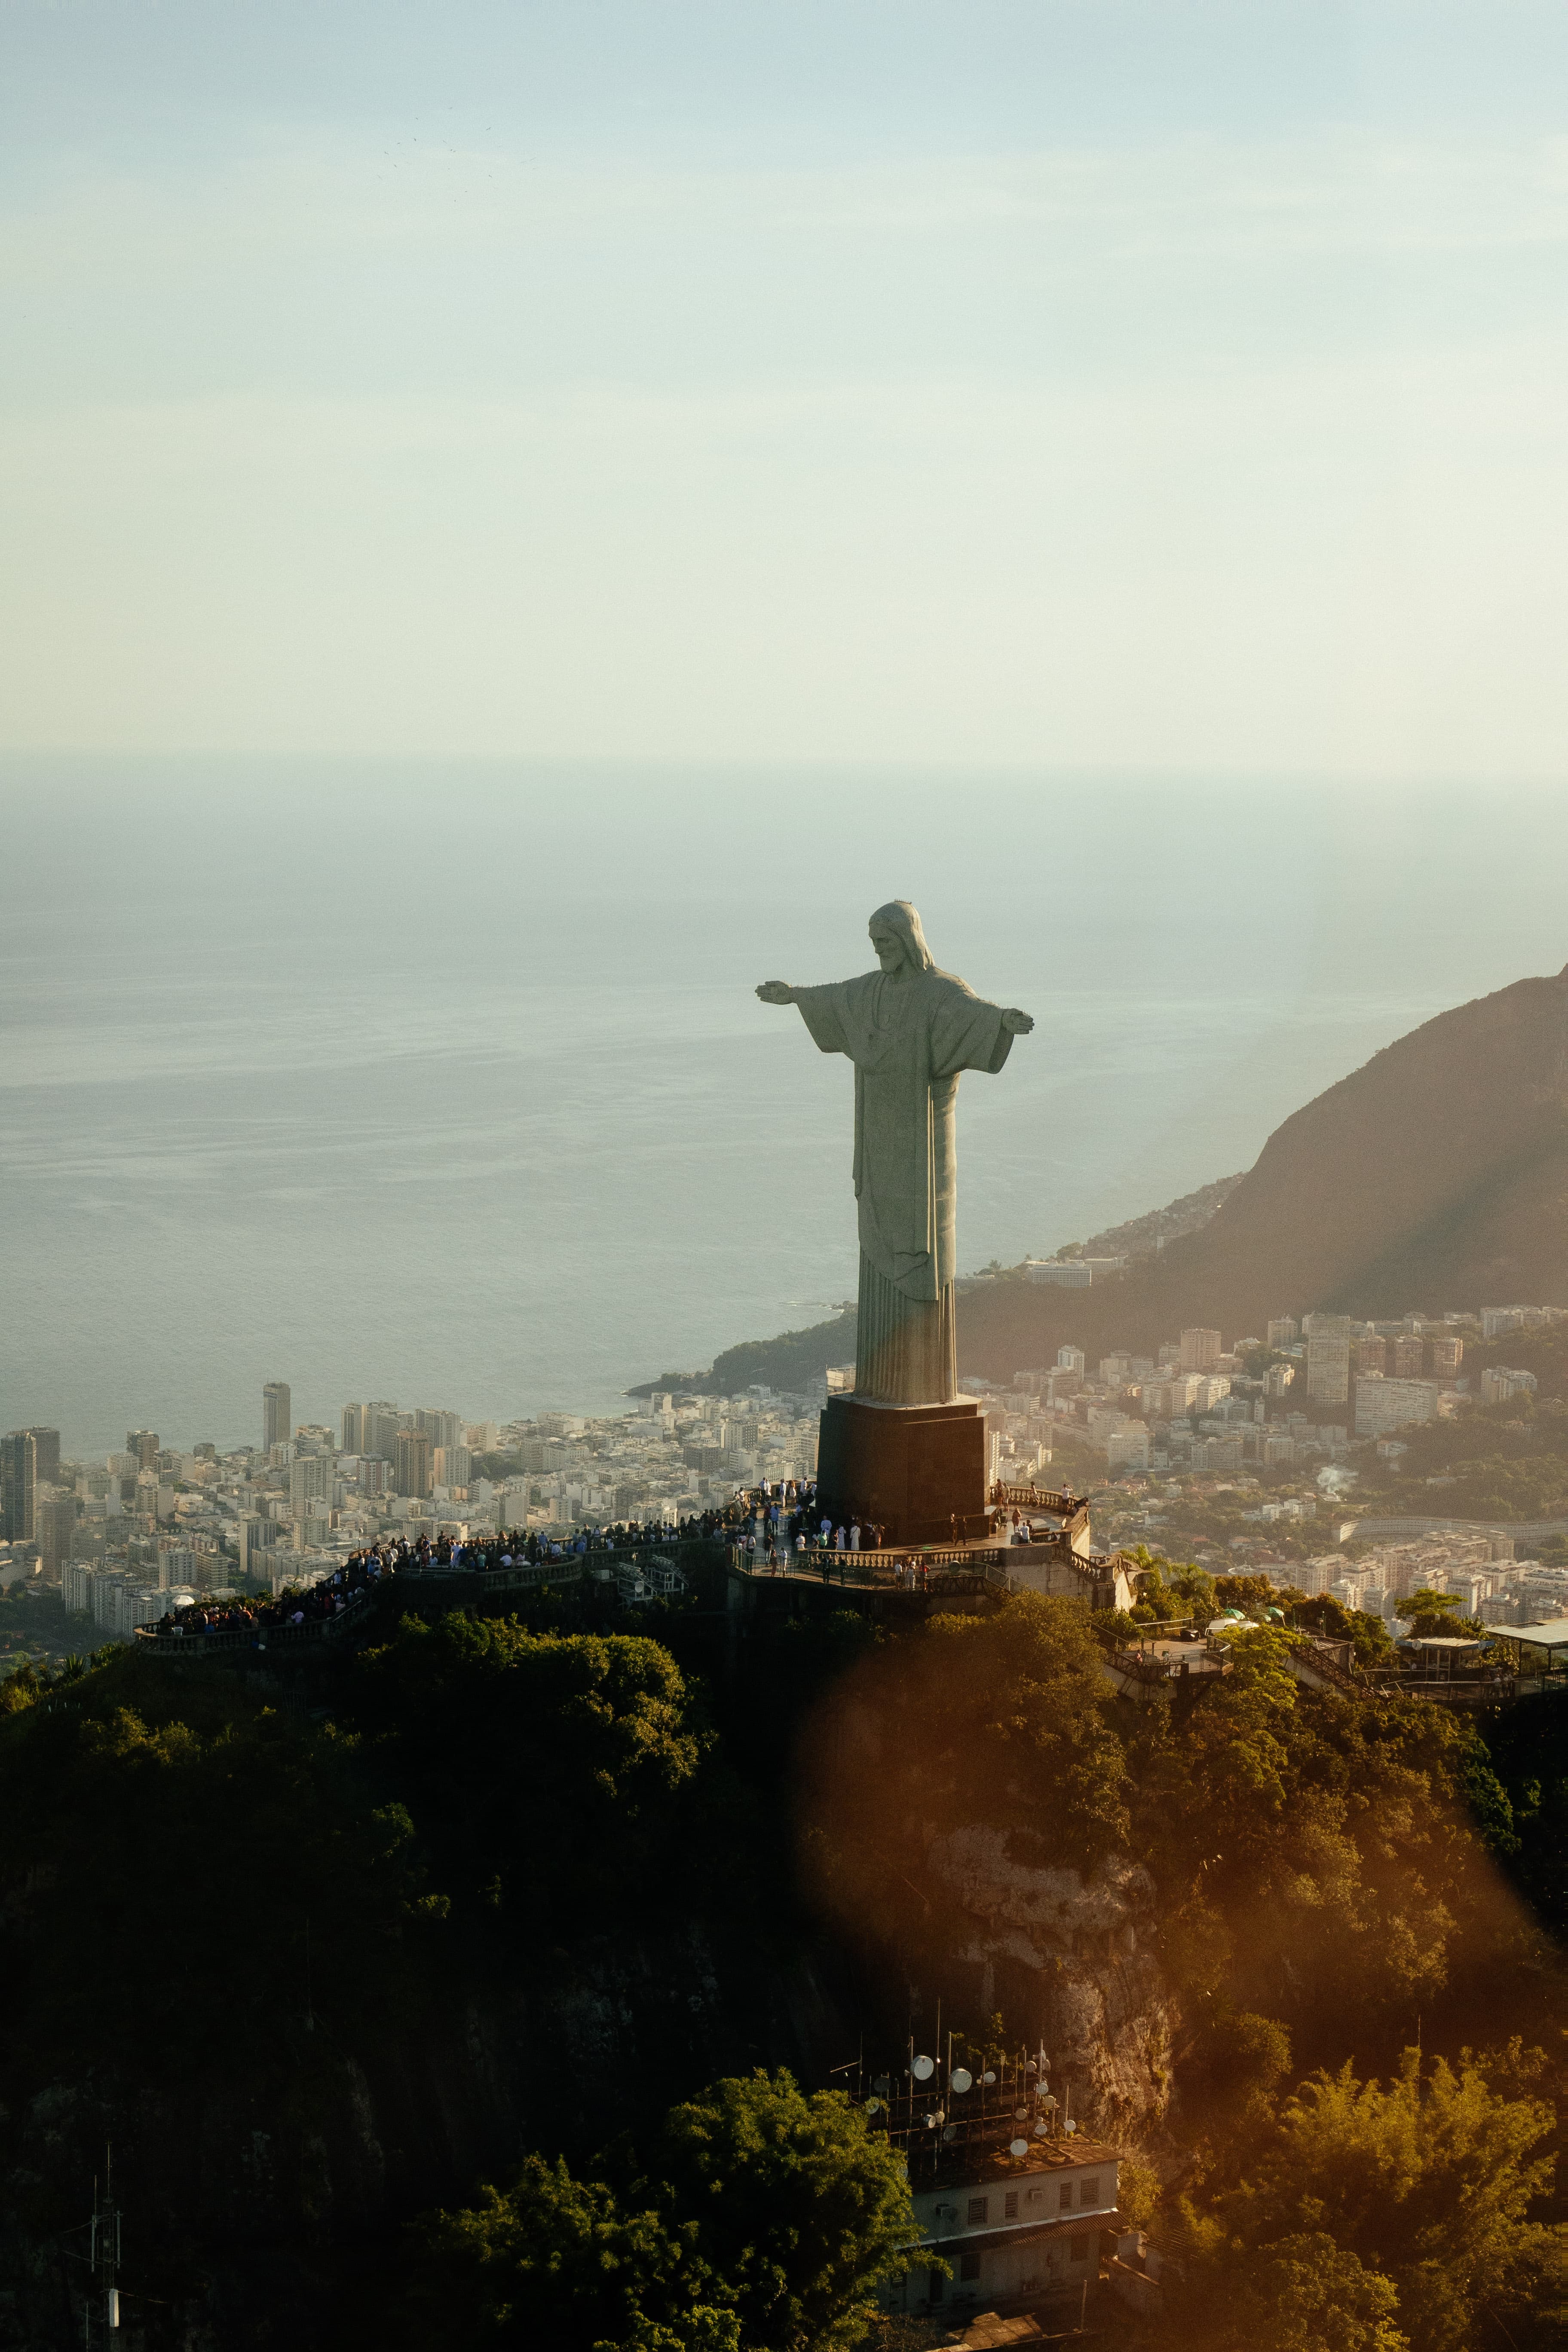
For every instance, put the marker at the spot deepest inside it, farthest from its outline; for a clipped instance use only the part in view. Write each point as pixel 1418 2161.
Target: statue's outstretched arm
pixel 776 992
pixel 1020 1024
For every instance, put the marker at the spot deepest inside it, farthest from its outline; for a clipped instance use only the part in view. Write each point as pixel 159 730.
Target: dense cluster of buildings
pixel 1479 1571
pixel 118 1538
pixel 1303 1391
pixel 124 1539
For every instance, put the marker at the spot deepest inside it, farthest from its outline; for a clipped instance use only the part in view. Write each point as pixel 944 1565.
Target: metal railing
pixel 183 1643
pixel 1055 1499
pixel 914 1568
pixel 1140 1668
pixel 572 1567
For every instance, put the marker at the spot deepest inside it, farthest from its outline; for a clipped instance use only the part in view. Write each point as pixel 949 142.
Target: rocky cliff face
pixel 1086 1949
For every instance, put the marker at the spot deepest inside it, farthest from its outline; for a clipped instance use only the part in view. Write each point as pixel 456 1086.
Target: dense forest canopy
pixel 315 1967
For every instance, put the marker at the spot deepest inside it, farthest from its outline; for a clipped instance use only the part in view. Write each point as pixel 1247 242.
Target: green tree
pixel 797 2207
pixel 1428 2178
pixel 1432 1615
pixel 1304 2294
pixel 568 2261
pixel 558 1765
pixel 766 2221
pixel 180 1821
pixel 1295 1832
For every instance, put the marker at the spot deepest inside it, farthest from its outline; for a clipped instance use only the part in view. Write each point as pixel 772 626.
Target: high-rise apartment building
pixel 380 1427
pixel 454 1466
pixel 1447 1355
pixel 412 1464
pixel 141 1444
pixel 1407 1355
pixel 1069 1359
pixel 15 1487
pixel 1329 1360
pixel 29 1460
pixel 354 1430
pixel 46 1445
pixel 441 1428
pixel 54 1524
pixel 309 1481
pixel 258 1537
pixel 1201 1350
pixel 276 1415
pixel 1372 1356
pixel 1284 1331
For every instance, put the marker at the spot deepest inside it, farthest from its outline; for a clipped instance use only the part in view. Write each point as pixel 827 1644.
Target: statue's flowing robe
pixel 908 1040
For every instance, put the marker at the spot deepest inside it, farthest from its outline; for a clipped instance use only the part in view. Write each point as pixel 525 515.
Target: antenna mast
pixel 105 2256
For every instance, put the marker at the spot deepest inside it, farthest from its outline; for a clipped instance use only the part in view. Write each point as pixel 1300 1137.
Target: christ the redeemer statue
pixel 909 1029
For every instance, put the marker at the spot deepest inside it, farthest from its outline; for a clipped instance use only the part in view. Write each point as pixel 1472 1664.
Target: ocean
pixel 445 1083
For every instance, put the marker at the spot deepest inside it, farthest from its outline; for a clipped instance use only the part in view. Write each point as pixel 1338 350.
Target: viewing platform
pixel 984 1566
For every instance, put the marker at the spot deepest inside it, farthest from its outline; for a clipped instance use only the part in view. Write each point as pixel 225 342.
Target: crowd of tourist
pixel 347 1587
pixel 515 1548
pixel 776 1527
pixel 780 1534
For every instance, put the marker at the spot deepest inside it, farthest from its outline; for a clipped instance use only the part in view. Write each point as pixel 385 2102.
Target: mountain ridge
pixel 1433 1178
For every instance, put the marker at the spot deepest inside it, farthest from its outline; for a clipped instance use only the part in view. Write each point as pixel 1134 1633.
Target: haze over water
pixel 448 1084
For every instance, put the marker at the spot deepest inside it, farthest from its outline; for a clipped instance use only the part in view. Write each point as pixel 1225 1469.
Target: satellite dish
pixel 1021 2115
pixel 988 2076
pixel 1069 2126
pixel 933 2121
pixel 1039 2131
pixel 1018 2148
pixel 923 2069
pixel 872 2105
pixel 960 2080
pixel 1049 2103
pixel 950 2132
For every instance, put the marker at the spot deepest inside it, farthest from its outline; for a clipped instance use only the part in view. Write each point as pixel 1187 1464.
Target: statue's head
pixel 896 936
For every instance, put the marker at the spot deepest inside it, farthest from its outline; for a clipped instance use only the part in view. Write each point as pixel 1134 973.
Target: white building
pixel 1012 2229
pixel 1382 1404
pixel 1127 1448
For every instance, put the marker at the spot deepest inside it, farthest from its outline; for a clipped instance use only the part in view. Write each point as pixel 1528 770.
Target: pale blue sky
pixel 1099 387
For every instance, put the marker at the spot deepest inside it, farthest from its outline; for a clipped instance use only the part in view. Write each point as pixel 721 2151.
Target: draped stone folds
pixel 906 1349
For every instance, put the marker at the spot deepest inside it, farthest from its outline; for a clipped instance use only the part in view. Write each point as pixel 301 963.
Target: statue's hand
pixel 1020 1024
pixel 776 992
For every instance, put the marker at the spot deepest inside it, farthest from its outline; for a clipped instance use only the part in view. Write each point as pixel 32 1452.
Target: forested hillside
pixel 434 2005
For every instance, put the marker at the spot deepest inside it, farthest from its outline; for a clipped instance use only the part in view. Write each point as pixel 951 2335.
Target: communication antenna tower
pixel 104 2257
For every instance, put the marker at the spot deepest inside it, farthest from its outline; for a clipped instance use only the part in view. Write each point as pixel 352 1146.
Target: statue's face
pixel 889 947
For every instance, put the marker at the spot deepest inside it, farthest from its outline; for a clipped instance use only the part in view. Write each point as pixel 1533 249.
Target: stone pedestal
pixel 911 1469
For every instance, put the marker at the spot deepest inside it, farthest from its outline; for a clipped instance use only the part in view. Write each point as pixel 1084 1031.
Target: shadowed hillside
pixel 1435 1177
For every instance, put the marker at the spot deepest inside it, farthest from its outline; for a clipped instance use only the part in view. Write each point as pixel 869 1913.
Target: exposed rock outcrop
pixel 1105 2012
